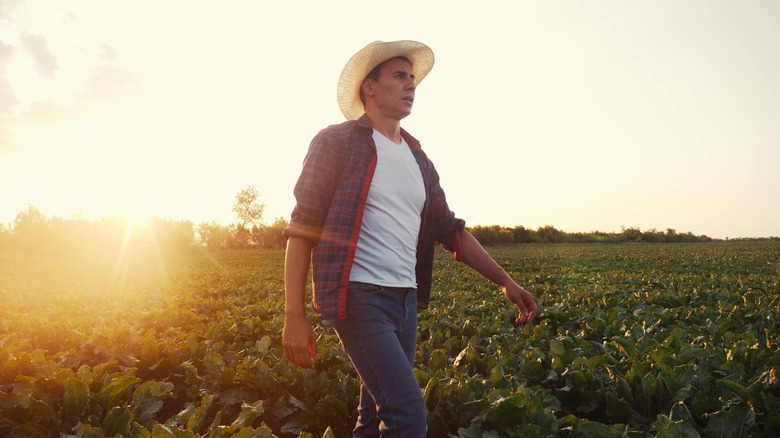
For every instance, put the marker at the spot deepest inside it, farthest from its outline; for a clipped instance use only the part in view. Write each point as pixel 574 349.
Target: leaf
pixel 557 347
pixel 660 354
pixel 147 400
pixel 649 389
pixel 722 424
pixel 293 426
pixel 702 404
pixel 688 355
pixel 261 432
pixel 472 432
pixel 438 360
pixel 422 377
pixel 462 357
pixel 117 391
pixel 28 430
pixel 117 422
pixel 236 395
pixel 263 345
pixel 248 414
pixel 139 431
pixel 626 346
pixel 504 412
pixel 169 431
pixel 680 412
pixel 149 348
pixel 723 328
pixel 215 431
pixel 196 422
pixel 86 431
pixel 618 409
pixel 431 394
pixel 678 429
pixel 75 398
pixel 578 380
pixel 739 390
pixel 583 428
pixel 624 389
pixel 145 410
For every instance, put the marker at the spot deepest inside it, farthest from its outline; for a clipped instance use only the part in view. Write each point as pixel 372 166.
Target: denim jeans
pixel 380 338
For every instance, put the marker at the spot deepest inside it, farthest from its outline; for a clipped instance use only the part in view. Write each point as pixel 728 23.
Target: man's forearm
pixel 475 256
pixel 296 274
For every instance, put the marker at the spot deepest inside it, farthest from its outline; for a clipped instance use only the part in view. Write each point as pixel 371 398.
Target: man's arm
pixel 474 255
pixel 298 337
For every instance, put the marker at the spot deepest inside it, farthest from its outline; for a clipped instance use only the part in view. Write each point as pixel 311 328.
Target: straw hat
pixel 369 57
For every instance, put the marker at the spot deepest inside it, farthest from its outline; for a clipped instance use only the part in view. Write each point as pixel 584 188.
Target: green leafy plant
pixel 632 340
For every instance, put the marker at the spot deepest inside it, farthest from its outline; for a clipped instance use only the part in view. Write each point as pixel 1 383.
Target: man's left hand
pixel 523 300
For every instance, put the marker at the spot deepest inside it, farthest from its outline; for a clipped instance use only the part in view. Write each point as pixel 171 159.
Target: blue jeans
pixel 380 337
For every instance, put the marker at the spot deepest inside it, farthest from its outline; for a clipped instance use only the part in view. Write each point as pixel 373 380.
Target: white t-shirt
pixel 387 246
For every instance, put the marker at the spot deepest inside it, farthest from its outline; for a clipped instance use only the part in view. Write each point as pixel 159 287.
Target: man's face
pixel 392 94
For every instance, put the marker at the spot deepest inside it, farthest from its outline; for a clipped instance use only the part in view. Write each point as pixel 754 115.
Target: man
pixel 369 211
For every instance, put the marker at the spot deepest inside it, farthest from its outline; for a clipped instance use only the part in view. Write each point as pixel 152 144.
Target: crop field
pixel 667 340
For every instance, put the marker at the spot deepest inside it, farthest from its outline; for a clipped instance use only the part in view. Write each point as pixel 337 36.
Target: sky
pixel 584 115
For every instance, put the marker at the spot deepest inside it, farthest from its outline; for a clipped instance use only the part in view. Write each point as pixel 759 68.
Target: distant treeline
pixel 498 235
pixel 32 230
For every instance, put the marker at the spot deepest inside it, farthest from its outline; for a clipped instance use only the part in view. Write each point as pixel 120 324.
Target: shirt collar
pixel 364 123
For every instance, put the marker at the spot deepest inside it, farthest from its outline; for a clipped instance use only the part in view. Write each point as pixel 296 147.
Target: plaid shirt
pixel 331 196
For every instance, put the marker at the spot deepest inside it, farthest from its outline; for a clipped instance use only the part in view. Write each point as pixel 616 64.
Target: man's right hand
pixel 299 341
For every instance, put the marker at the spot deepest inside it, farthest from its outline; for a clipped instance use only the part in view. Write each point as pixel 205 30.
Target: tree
pixel 549 234
pixel 247 207
pixel 505 236
pixel 521 234
pixel 31 228
pixel 5 236
pixel 171 234
pixel 632 234
pixel 485 235
pixel 213 235
pixel 274 239
pixel 248 210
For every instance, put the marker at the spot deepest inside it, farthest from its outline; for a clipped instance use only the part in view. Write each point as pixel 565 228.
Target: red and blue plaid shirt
pixel 331 196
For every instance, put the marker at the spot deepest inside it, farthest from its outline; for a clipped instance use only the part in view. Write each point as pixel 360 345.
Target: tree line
pixel 33 230
pixel 498 235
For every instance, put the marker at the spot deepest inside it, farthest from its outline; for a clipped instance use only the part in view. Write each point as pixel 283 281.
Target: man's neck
pixel 390 128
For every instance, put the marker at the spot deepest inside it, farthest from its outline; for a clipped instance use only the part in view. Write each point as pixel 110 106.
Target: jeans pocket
pixel 365 301
pixel 359 288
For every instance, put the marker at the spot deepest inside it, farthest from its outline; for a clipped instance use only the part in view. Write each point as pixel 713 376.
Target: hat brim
pixel 361 64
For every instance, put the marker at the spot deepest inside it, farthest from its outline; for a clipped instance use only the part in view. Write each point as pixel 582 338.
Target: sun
pixel 135 226
pixel 135 222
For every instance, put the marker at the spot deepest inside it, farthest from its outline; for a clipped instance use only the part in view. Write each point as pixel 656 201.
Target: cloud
pixel 8 145
pixel 8 142
pixel 6 6
pixel 110 86
pixel 67 17
pixel 36 46
pixel 8 99
pixel 7 53
pixel 44 112
pixel 107 53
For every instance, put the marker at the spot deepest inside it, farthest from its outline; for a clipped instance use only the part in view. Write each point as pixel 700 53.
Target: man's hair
pixel 374 75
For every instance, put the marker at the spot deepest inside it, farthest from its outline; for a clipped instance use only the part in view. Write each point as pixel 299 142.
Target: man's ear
pixel 368 87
